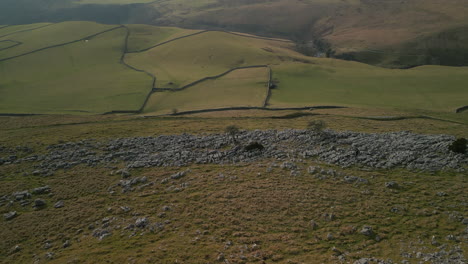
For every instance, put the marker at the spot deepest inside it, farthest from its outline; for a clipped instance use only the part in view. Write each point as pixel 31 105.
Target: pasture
pixel 239 88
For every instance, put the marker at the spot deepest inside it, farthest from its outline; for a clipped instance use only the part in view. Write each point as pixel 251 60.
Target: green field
pixel 184 61
pixel 51 35
pixel 6 44
pixel 79 77
pixel 145 36
pixel 433 88
pixel 244 87
pixel 86 76
pixel 11 30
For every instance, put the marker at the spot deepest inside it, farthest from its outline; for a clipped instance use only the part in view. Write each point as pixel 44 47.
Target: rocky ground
pixel 286 151
pixel 346 149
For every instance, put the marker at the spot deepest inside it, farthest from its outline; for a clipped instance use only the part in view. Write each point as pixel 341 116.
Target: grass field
pixel 51 35
pixel 244 87
pixel 351 84
pixel 190 59
pixel 76 78
pixel 11 30
pixel 145 36
pixel 89 72
pixel 6 44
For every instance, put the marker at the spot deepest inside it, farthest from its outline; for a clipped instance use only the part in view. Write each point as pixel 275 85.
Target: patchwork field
pixel 75 67
pixel 145 36
pixel 54 34
pixel 82 77
pixel 239 88
pixel 187 60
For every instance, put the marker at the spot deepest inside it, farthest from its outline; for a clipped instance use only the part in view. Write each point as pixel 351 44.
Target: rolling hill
pixel 395 34
pixel 84 67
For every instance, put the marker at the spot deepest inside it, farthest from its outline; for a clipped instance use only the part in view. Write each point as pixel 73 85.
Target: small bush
pixel 316 126
pixel 232 131
pixel 459 146
pixel 254 146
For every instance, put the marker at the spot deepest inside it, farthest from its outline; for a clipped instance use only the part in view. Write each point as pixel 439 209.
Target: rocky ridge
pixel 377 151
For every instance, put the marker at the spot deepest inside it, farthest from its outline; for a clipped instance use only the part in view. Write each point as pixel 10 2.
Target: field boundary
pixel 60 45
pixel 16 43
pixel 207 78
pixel 247 108
pixel 206 31
pixel 25 30
pixel 462 109
pixel 122 61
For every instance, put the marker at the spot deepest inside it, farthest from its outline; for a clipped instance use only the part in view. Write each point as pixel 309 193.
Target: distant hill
pixel 397 34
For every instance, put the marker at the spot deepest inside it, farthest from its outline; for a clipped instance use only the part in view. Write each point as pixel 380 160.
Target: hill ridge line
pixel 206 31
pixel 60 45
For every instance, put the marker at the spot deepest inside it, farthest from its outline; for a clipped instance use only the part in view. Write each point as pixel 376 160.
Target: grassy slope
pixel 245 87
pixel 16 28
pixel 52 35
pixel 84 76
pixel 145 36
pixel 271 210
pixel 346 83
pixel 187 60
pixel 350 26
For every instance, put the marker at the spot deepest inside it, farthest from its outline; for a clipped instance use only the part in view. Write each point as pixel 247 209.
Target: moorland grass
pixel 268 212
pixel 244 87
pixel 83 77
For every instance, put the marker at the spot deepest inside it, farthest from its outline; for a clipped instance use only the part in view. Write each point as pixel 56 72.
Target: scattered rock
pixel 101 233
pixel 41 190
pixel 66 244
pixel 288 166
pixel 391 185
pixel 59 204
pixel 49 255
pixel 19 196
pixel 179 175
pixel 141 222
pixel 15 249
pixel 10 215
pixel 39 203
pixel 124 173
pixel 367 231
